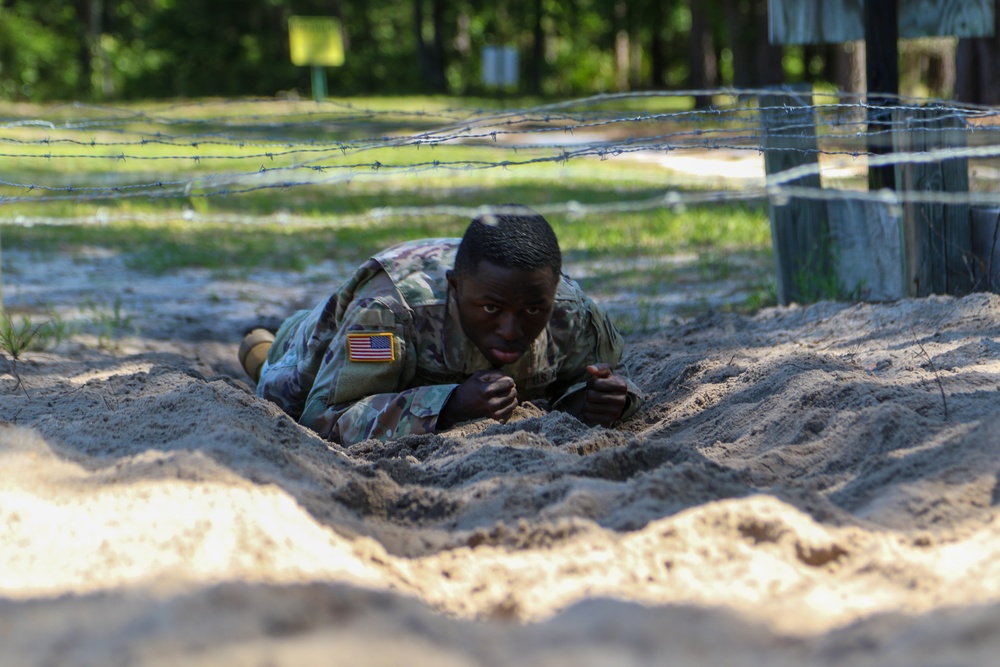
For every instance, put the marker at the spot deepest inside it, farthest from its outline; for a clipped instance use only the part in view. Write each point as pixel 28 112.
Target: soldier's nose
pixel 509 327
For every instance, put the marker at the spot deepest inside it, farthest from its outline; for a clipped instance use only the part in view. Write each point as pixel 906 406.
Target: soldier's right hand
pixel 485 394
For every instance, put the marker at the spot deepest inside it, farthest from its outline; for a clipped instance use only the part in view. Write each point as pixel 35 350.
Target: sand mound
pixel 812 485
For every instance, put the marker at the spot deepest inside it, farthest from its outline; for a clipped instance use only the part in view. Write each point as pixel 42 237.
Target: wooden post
pixel 985 223
pixel 867 239
pixel 882 69
pixel 930 245
pixel 799 231
pixel 938 253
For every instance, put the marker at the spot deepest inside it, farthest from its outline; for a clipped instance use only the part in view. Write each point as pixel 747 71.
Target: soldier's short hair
pixel 511 236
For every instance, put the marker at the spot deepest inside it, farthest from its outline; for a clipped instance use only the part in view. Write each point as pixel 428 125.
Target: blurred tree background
pixel 101 50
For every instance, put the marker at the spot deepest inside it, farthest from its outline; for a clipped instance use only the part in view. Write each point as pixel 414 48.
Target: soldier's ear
pixel 452 280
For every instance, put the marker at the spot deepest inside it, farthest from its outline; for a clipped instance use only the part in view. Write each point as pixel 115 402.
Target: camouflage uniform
pixel 404 292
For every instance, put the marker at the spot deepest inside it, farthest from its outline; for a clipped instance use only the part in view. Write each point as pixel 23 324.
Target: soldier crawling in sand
pixel 431 333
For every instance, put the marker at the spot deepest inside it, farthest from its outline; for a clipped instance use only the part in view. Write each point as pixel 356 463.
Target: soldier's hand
pixel 605 396
pixel 485 394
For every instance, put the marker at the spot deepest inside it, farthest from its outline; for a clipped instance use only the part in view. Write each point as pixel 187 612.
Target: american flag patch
pixel 370 347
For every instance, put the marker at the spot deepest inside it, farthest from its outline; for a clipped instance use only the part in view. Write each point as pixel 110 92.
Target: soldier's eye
pixel 491 309
pixel 533 311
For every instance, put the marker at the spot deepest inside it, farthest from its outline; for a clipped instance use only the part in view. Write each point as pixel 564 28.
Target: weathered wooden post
pixel 934 246
pixel 799 232
pixel 938 252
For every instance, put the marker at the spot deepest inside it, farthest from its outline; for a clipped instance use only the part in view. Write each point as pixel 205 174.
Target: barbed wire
pixel 85 153
pixel 835 115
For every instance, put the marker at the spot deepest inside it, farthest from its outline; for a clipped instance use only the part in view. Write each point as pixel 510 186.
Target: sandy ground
pixel 810 486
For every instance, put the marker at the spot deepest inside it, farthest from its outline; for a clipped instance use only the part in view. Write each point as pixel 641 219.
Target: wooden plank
pixel 799 231
pixel 944 18
pixel 868 249
pixel 834 21
pixel 816 22
pixel 937 237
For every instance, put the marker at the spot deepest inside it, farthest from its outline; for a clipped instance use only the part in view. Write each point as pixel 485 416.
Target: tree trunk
pixel 83 53
pixel 770 70
pixel 657 48
pixel 423 57
pixel 439 78
pixel 95 64
pixel 621 46
pixel 701 54
pixel 848 69
pixel 755 61
pixel 635 56
pixel 537 51
pixel 430 55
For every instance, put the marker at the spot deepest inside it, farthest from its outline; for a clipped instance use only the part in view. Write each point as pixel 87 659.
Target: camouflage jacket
pixel 327 370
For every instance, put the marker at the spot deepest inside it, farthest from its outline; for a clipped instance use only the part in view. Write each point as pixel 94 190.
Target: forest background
pixel 102 50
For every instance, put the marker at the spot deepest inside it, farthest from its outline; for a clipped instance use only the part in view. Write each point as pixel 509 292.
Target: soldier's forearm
pixel 380 417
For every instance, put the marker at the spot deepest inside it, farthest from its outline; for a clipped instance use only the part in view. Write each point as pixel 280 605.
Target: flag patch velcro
pixel 370 347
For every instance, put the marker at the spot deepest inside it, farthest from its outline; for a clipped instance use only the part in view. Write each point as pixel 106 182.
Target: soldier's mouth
pixel 505 356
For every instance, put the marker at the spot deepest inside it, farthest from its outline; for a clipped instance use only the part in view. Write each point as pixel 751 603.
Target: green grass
pixel 16 337
pixel 21 332
pixel 338 205
pixel 162 246
pixel 109 323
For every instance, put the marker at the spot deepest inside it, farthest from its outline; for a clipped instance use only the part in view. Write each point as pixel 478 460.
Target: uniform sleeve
pixel 597 341
pixel 356 396
pixel 312 374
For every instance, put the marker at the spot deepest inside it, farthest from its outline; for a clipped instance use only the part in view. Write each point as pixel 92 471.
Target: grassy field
pixel 240 185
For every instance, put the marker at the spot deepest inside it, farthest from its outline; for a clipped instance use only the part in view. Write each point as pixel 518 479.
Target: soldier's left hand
pixel 605 396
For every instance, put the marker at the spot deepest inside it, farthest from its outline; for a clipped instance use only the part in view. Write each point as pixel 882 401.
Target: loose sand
pixel 810 486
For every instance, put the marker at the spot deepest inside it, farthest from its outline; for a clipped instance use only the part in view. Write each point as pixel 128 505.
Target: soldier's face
pixel 502 311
